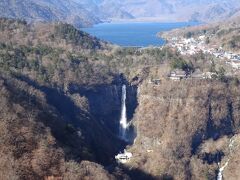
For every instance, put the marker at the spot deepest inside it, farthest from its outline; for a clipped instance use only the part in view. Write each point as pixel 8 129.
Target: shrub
pixel 182 64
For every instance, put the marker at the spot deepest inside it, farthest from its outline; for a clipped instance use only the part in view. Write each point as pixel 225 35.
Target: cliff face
pixel 105 102
pixel 44 131
pixel 176 120
pixel 231 171
pixel 49 127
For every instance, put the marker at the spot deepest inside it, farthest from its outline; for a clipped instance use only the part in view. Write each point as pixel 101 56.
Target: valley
pixel 70 103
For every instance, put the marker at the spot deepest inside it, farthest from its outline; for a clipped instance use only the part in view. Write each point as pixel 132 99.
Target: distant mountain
pixel 179 10
pixel 162 10
pixel 106 9
pixel 88 12
pixel 48 10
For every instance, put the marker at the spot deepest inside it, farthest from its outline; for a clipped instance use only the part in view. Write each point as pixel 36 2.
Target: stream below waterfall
pixel 221 169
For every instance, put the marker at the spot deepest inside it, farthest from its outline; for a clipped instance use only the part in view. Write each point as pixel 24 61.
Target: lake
pixel 140 34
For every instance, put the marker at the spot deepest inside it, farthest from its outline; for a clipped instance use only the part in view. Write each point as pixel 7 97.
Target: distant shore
pixel 149 19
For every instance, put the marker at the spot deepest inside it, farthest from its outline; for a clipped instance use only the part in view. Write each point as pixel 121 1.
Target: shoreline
pixel 142 37
pixel 141 22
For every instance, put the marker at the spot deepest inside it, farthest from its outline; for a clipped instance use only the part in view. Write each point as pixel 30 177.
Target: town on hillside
pixel 191 46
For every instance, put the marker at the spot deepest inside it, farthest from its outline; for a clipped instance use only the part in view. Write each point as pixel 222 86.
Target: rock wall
pixel 176 120
pixel 105 102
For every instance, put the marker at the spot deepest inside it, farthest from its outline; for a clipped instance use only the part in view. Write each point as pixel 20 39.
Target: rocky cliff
pixel 184 128
pixel 105 103
pixel 60 97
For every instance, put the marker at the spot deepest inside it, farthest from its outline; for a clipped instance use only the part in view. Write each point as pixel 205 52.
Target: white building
pixel 177 75
pixel 124 157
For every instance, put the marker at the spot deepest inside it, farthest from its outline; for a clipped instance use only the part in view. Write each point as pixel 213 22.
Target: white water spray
pixel 220 172
pixel 123 120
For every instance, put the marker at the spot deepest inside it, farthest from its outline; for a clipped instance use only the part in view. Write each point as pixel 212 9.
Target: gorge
pixel 70 102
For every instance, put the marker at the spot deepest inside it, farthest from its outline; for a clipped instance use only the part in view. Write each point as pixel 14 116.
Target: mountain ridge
pixel 182 10
pixel 82 13
pixel 48 11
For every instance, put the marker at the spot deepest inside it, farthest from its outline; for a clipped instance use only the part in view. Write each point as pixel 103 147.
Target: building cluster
pixel 177 75
pixel 193 46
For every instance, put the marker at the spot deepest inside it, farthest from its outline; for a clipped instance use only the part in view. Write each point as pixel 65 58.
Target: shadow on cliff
pixel 66 108
pixel 214 131
pixel 136 174
pixel 105 103
pixel 95 142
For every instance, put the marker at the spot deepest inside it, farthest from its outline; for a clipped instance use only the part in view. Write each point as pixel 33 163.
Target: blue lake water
pixel 138 34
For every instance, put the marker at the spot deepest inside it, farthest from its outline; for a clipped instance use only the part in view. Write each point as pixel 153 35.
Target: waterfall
pixel 220 173
pixel 123 119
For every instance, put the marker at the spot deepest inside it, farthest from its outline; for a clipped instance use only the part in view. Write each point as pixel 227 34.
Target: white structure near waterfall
pixel 123 119
pixel 124 157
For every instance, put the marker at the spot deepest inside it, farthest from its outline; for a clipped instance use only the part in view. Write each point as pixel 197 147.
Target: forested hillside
pixel 44 130
pixel 60 102
pixel 49 124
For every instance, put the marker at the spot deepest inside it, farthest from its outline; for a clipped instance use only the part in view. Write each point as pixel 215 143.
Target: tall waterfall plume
pixel 123 119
